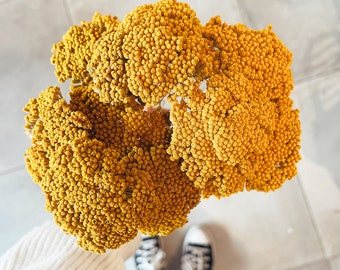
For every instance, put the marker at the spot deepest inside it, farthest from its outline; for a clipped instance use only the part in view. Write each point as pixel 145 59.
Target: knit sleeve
pixel 48 247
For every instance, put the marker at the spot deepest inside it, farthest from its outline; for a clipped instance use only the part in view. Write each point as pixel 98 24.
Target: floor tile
pixel 335 263
pixel 28 30
pixel 309 28
pixel 319 171
pixel 255 230
pixel 318 265
pixel 228 10
pixel 21 207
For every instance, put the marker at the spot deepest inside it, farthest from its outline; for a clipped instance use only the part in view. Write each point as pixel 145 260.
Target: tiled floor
pixel 297 227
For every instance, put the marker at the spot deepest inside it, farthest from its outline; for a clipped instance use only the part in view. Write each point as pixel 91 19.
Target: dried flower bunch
pixel 113 162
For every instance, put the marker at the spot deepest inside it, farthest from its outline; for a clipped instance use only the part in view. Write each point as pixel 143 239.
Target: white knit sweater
pixel 48 248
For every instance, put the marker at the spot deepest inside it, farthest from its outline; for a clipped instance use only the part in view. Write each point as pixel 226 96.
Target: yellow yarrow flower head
pixel 104 169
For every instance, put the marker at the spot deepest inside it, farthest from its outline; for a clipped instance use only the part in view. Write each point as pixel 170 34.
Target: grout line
pixel 309 265
pixel 68 13
pixel 12 170
pixel 313 222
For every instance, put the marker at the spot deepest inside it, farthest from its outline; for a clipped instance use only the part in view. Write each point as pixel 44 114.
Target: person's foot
pixel 197 250
pixel 150 255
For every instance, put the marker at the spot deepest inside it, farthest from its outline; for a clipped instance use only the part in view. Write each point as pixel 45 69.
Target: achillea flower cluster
pixel 241 131
pixel 113 162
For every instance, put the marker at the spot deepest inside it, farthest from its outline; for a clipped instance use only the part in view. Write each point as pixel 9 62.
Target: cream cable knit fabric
pixel 48 248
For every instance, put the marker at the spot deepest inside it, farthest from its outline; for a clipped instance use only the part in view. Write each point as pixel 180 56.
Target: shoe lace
pixel 150 256
pixel 197 258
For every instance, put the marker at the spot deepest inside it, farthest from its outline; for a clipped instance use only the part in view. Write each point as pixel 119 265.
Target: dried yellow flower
pixel 241 132
pixel 113 162
pixel 104 169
